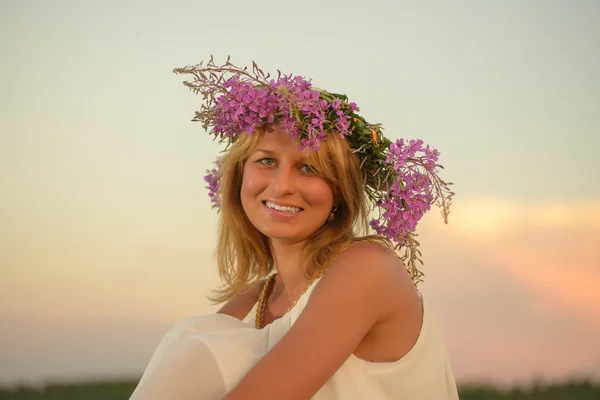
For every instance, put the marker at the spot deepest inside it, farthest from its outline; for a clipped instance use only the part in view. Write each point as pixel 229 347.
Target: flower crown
pixel 401 178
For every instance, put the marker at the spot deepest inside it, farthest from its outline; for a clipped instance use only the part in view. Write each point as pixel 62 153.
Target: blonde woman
pixel 314 306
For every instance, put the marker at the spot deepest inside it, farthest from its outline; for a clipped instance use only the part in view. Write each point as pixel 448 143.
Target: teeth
pixel 282 208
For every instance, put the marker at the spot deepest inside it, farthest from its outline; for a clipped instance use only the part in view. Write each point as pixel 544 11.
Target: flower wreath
pixel 401 177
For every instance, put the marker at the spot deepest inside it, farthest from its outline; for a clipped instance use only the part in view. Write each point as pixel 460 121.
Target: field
pixel 582 390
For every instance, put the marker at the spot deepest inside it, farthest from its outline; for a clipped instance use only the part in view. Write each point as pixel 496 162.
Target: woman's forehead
pixel 278 143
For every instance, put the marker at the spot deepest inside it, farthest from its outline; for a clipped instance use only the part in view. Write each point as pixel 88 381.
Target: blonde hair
pixel 243 253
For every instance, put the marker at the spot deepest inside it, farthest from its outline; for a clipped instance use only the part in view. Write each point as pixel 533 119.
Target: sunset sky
pixel 106 231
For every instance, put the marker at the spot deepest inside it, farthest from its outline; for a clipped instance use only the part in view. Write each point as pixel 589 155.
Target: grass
pixel 121 390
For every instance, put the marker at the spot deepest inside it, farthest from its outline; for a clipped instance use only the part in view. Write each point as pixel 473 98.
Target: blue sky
pixel 103 204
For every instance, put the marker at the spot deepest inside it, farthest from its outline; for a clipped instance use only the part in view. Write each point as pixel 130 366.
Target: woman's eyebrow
pixel 271 152
pixel 264 151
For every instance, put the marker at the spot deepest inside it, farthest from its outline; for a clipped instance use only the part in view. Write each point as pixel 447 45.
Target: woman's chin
pixel 286 237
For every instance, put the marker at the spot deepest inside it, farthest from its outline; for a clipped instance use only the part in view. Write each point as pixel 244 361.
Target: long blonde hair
pixel 243 253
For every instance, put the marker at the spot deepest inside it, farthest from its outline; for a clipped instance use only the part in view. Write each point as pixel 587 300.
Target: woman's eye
pixel 266 161
pixel 307 168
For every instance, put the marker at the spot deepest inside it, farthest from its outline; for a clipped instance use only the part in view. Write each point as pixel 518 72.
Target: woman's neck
pixel 290 268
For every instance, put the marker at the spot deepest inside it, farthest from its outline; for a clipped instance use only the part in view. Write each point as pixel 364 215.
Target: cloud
pixel 515 287
pixel 494 217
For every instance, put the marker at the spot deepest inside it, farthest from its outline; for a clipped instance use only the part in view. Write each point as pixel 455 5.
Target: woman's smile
pixel 271 205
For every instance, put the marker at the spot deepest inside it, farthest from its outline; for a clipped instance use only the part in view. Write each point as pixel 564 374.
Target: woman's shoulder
pixel 242 303
pixel 369 265
pixel 377 255
pixel 368 244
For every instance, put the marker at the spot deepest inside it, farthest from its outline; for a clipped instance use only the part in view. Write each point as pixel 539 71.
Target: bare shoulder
pixel 365 259
pixel 367 266
pixel 240 305
pixel 364 249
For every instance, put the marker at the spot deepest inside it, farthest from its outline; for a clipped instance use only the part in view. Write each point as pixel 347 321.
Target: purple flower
pixel 213 178
pixel 412 193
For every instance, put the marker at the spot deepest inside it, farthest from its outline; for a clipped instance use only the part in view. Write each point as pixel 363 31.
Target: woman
pixel 313 309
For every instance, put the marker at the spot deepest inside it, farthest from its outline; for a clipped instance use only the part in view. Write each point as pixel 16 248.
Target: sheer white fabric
pixel 203 358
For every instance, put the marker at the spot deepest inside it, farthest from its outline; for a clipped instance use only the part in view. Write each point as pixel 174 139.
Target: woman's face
pixel 280 194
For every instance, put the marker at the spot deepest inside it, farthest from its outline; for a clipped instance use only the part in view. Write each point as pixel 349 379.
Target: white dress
pixel 203 358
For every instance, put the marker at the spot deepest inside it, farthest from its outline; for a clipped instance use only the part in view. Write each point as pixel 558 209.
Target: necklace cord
pixel 264 294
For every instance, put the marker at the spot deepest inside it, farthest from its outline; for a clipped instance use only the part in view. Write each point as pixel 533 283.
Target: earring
pixel 332 215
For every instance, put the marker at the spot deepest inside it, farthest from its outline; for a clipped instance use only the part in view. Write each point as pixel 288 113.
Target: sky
pixel 106 231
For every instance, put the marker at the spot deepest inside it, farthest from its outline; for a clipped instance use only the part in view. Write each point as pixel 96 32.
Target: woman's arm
pixel 344 306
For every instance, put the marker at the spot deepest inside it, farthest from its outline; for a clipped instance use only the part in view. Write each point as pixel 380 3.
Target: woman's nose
pixel 284 181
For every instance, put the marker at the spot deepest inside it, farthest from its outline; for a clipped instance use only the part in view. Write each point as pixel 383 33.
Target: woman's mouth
pixel 277 207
